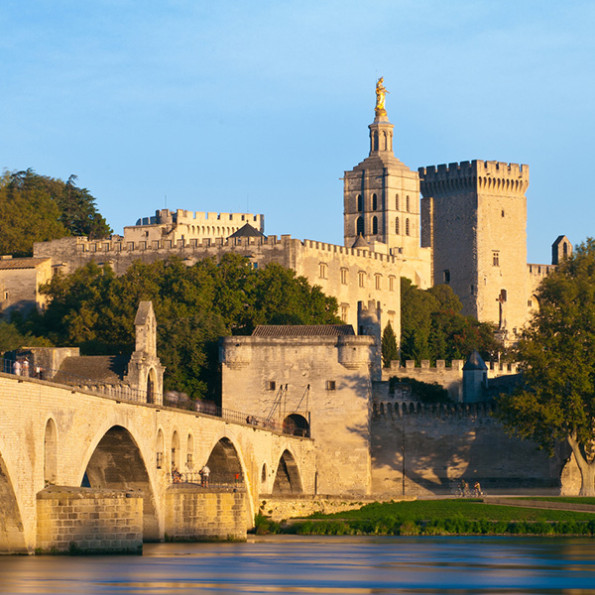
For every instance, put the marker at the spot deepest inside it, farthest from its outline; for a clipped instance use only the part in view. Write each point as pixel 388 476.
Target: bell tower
pixel 381 194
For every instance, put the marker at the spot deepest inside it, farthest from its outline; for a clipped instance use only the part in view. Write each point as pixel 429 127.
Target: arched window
pixel 406 227
pixel 397 202
pixel 397 226
pixel 407 203
pixel 360 203
pixel 359 226
pixel 374 202
pixel 263 475
pixel 374 225
pixel 175 450
pixel 190 452
pixel 375 141
pixel 50 449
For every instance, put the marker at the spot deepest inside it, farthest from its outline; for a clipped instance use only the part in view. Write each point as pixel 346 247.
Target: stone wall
pixel 279 509
pixel 323 379
pixel 350 275
pixel 196 514
pixel 425 450
pixel 84 520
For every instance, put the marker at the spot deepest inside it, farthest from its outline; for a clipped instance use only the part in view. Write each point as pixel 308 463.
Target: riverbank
pixel 464 516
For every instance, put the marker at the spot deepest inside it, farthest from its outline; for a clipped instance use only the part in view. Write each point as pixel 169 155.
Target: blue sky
pixel 261 106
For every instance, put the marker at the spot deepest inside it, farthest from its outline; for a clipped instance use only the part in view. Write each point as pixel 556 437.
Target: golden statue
pixel 380 97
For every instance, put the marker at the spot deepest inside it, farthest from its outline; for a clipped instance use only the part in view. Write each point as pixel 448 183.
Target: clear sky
pixel 261 106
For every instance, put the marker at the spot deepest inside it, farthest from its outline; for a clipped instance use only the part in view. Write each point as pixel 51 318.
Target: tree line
pixel 36 208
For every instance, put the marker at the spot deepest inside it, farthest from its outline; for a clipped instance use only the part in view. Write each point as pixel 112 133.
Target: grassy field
pixel 441 517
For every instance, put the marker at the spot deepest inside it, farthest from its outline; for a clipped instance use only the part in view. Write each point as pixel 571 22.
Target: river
pixel 333 565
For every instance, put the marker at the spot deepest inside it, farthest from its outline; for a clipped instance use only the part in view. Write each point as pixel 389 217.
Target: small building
pixel 309 381
pixel 137 377
pixel 20 282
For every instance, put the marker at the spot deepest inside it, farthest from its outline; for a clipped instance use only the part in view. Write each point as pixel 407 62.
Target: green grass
pixel 446 517
pixel 470 509
pixel 567 499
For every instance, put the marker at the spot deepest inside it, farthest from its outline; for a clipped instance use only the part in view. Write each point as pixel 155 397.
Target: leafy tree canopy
pixel 195 305
pixel 36 208
pixel 556 399
pixel 432 326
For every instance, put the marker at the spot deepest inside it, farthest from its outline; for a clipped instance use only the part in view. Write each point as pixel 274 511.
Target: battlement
pixel 115 244
pixel 388 410
pixel 410 368
pixel 181 216
pixel 540 270
pixel 487 176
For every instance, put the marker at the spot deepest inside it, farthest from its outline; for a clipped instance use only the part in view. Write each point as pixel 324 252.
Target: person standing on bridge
pixel 204 476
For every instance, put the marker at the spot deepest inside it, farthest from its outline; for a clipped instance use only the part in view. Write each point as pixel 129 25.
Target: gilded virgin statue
pixel 380 97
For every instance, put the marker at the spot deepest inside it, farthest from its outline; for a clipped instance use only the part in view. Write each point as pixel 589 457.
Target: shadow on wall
pixel 417 451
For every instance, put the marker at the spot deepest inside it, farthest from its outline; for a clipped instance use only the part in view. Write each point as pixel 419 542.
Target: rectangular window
pixel 159 460
pixel 189 460
pixel 361 276
pixel 271 385
pixel 445 276
pixel 391 283
pixel 378 281
pixel 344 312
pixel 496 258
pixel 331 385
pixel 344 276
pixel 323 270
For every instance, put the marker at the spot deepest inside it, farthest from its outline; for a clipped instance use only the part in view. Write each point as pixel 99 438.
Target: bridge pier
pixel 193 513
pixel 89 521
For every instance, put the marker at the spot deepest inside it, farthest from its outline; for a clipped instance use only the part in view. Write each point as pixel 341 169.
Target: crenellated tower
pixel 474 218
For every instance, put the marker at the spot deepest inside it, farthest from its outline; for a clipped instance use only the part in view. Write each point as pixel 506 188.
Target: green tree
pixel 37 208
pixel 556 400
pixel 194 306
pixel 389 346
pixel 432 326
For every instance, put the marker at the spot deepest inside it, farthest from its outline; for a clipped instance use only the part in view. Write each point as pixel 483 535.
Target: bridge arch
pixel 287 477
pixel 50 453
pixel 12 536
pixel 224 462
pixel 117 463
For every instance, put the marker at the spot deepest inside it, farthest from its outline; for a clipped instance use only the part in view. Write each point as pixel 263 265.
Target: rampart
pixel 70 253
pixel 422 449
pixel 449 377
pixel 487 176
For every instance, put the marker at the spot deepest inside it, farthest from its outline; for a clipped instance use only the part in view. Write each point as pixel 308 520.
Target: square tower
pixel 381 197
pixel 474 217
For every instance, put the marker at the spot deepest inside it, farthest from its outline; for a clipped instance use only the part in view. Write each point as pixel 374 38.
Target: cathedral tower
pixel 381 194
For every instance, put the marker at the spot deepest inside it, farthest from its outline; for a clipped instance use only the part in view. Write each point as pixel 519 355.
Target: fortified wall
pixel 449 377
pixel 420 450
pixel 351 275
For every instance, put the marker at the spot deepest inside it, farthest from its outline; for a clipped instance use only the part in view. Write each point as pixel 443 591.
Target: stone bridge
pixel 86 472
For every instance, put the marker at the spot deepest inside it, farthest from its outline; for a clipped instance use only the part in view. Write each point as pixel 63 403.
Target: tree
pixel 194 306
pixel 35 208
pixel 432 326
pixel 389 346
pixel 556 399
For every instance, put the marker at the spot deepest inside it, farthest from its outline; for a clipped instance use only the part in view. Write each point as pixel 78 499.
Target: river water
pixel 334 565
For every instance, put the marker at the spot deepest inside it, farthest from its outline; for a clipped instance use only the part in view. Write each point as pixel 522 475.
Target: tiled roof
pixel 105 369
pixel 8 264
pixel 247 231
pixel 303 330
